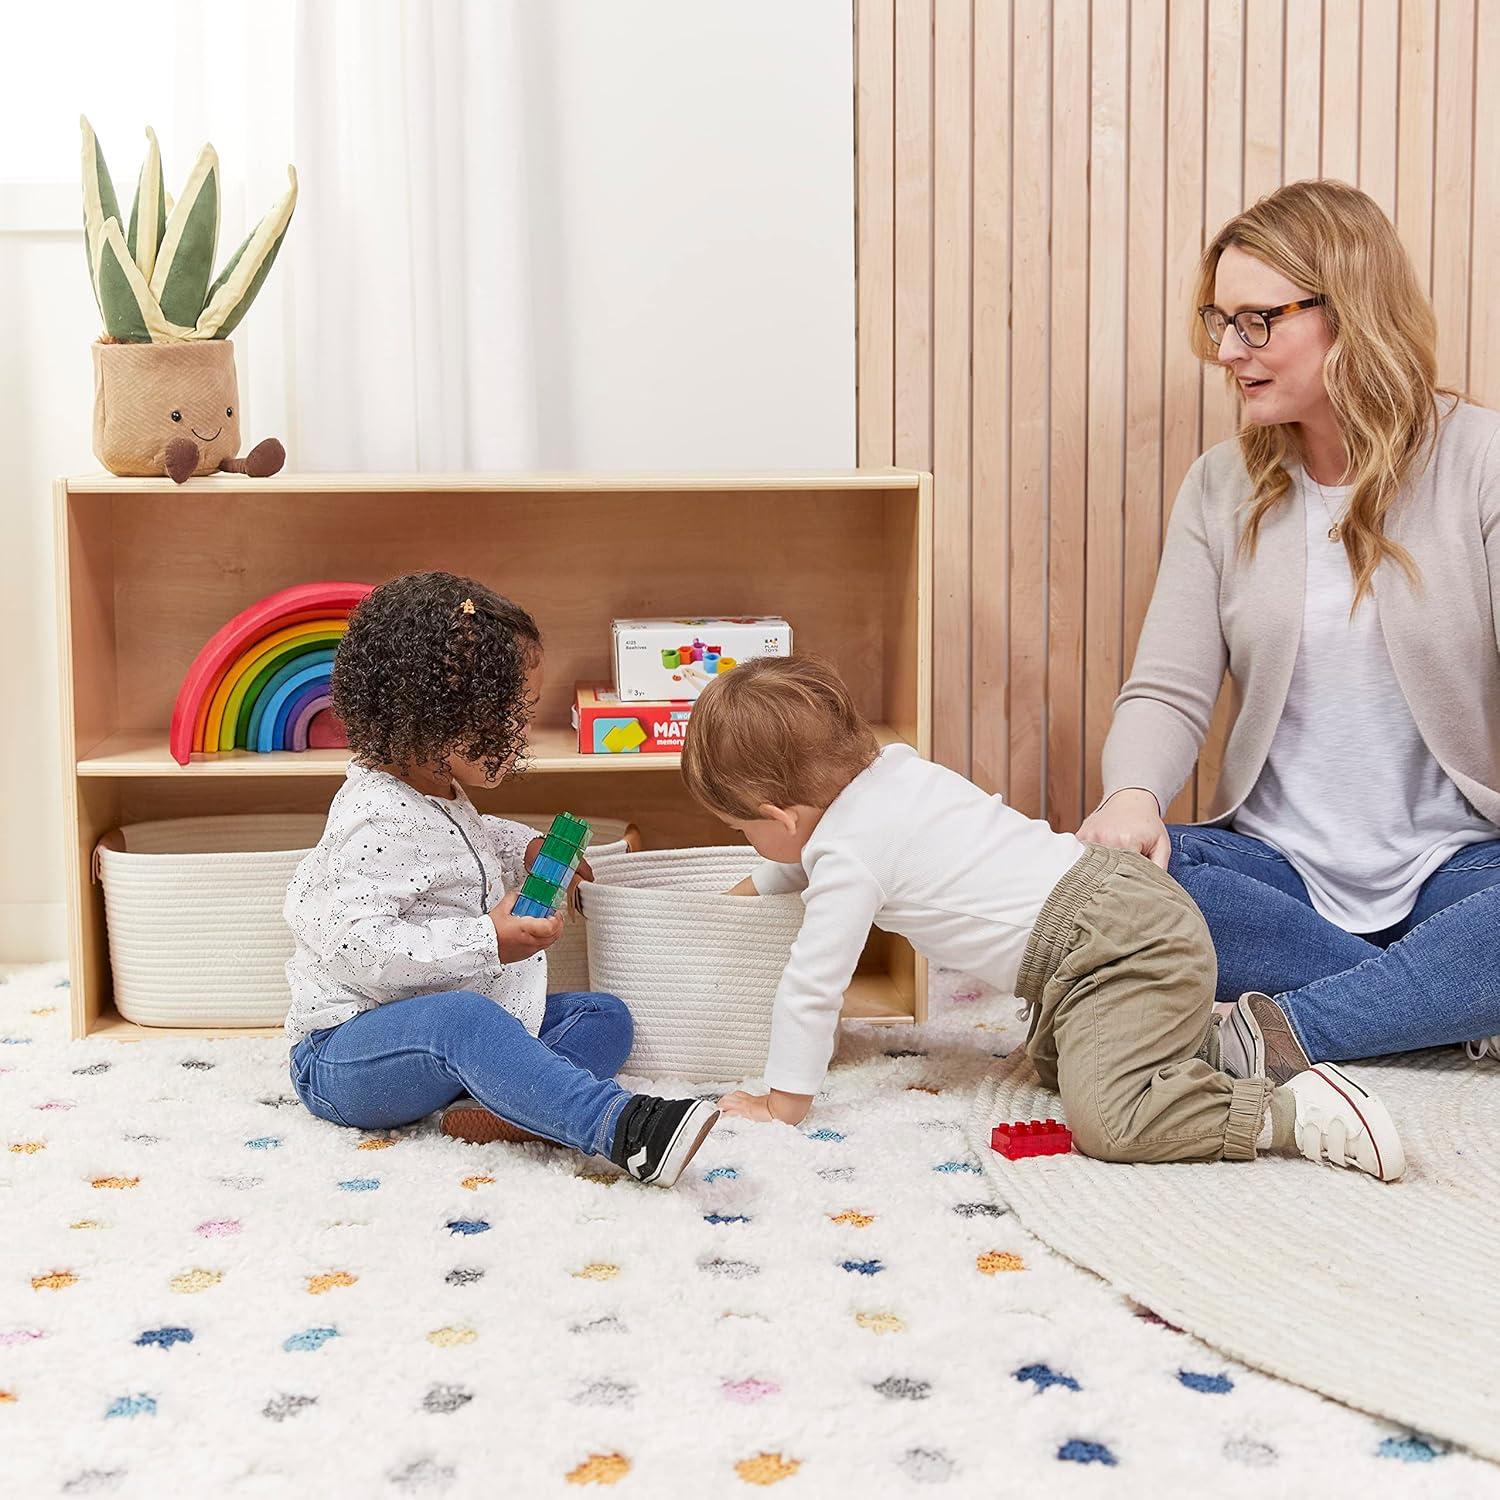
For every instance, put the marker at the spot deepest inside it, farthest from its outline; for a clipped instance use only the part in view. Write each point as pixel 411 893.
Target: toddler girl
pixel 412 984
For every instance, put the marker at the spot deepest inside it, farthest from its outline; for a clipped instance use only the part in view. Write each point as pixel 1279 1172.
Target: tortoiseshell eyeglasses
pixel 1253 324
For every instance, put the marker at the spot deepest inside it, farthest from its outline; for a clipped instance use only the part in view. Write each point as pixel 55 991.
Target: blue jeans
pixel 403 1060
pixel 1431 980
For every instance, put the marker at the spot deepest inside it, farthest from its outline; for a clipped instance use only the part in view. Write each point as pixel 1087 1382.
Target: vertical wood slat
pixel 1340 154
pixel 875 215
pixel 989 523
pixel 1484 326
pixel 1035 182
pixel 951 328
pixel 1182 387
pixel 1067 508
pixel 1414 147
pixel 1452 185
pixel 913 234
pixel 1107 358
pixel 1379 83
pixel 1146 269
pixel 1031 156
pixel 1301 106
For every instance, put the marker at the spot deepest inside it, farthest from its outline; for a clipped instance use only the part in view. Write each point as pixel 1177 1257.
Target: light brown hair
pixel 778 729
pixel 1380 373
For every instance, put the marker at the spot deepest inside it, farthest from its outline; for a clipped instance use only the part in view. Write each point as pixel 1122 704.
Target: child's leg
pixel 1122 1021
pixel 401 1061
pixel 594 1030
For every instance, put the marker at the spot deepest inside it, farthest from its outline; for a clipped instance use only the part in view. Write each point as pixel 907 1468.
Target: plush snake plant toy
pixel 166 400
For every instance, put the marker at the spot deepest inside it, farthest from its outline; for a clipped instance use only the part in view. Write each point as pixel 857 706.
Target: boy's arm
pixel 841 901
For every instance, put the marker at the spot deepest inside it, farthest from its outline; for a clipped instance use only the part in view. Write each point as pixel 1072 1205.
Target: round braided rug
pixel 1380 1295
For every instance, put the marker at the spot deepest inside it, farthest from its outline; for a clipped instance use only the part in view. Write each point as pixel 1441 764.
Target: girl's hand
pixel 1130 820
pixel 523 937
pixel 746 887
pixel 773 1108
pixel 584 872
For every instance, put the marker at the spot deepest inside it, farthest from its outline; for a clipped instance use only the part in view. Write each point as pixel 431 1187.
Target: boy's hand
pixel 773 1108
pixel 746 887
pixel 584 872
pixel 523 937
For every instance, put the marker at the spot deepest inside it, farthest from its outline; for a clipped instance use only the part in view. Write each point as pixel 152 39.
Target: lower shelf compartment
pixel 873 998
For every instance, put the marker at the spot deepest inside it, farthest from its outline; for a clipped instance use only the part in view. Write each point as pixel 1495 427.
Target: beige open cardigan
pixel 1213 608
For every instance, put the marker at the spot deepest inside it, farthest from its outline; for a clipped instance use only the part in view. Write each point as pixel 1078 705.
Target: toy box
pixel 607 727
pixel 658 660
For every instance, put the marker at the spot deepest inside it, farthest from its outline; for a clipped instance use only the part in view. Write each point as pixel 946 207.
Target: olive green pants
pixel 1119 974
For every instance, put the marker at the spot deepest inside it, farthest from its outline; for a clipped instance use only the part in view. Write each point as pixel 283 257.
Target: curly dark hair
pixel 434 665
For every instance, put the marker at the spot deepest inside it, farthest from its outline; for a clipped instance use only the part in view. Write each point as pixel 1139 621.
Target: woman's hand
pixel 523 937
pixel 773 1108
pixel 1130 820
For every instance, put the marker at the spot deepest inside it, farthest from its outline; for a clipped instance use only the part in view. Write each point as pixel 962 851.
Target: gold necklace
pixel 1335 530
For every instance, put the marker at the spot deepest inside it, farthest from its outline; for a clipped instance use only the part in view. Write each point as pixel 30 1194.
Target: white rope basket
pixel 193 906
pixel 196 935
pixel 698 968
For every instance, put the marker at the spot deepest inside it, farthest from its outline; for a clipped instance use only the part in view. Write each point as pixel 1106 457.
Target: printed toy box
pixel 675 659
pixel 607 727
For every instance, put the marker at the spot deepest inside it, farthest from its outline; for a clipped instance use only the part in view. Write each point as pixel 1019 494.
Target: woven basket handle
pixel 114 841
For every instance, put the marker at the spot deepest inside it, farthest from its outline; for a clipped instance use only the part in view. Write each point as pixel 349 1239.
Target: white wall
pixel 689 181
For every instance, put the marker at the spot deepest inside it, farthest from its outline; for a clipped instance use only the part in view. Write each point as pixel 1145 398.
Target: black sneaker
pixel 656 1138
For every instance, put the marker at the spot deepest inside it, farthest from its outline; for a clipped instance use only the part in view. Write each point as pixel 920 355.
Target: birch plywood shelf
pixel 147 571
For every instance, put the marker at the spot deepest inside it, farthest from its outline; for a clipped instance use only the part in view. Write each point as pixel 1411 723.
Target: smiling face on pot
pixel 148 394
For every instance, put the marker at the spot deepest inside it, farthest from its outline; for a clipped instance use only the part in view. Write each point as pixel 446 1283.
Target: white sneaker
pixel 1345 1125
pixel 1486 1046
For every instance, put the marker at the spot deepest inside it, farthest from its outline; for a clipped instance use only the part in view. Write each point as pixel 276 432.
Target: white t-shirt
pixel 916 849
pixel 1350 793
pixel 392 903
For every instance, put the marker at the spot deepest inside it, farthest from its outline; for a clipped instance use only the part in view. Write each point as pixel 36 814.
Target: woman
pixel 1342 559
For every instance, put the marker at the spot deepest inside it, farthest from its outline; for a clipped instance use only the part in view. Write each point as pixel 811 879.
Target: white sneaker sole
pixel 1390 1159
pixel 692 1131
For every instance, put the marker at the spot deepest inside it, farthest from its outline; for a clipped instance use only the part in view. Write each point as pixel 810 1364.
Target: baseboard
pixel 33 932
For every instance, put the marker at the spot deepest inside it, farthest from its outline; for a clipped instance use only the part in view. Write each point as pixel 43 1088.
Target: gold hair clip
pixel 467 606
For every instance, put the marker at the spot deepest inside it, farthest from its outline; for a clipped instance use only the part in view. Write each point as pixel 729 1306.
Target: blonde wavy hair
pixel 1380 373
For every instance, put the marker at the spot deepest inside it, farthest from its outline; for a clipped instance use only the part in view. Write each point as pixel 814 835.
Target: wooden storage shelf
pixel 149 570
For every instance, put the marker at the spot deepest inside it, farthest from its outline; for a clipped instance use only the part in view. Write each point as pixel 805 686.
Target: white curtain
pixel 412 336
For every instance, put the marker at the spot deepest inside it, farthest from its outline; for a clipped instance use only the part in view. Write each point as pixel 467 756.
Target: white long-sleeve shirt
pixel 393 901
pixel 915 849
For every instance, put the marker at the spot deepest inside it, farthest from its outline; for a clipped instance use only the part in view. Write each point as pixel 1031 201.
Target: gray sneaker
pixel 1257 1041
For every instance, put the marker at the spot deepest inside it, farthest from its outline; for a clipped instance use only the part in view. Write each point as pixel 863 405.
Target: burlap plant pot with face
pixel 147 395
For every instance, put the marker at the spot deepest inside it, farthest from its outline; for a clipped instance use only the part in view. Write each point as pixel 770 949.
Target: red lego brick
pixel 1039 1138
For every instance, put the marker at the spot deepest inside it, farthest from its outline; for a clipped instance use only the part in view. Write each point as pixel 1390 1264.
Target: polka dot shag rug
pixel 205 1291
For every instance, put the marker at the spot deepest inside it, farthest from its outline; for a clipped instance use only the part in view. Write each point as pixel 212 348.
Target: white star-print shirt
pixel 392 903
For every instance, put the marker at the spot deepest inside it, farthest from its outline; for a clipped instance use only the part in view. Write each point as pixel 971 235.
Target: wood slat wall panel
pixel 1035 182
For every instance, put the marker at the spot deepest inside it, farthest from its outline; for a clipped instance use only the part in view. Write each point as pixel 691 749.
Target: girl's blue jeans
pixel 401 1061
pixel 1431 980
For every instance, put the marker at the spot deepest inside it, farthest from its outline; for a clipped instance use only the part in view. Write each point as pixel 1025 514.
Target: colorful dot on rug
pixel 164 1338
pixel 956 1166
pixel 1209 1385
pixel 467 1226
pixel 599 1271
pixel 721 1174
pixel 600 1468
pixel 328 1280
pixel 472 1183
pixel 118 1183
pixel 880 1322
pixel 1044 1376
pixel 863 1267
pixel 133 1406
pixel 767 1468
pixel 53 1281
pixel 902 1388
pixel 926 1465
pixel 1412 1450
pixel 451 1338
pixel 725 1219
pixel 853 1218
pixel 749 1391
pixel 309 1338
pixel 1078 1452
pixel 196 1280
pixel 443 1399
pixel 359 1184
pixel 279 1408
pixel 992 1262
